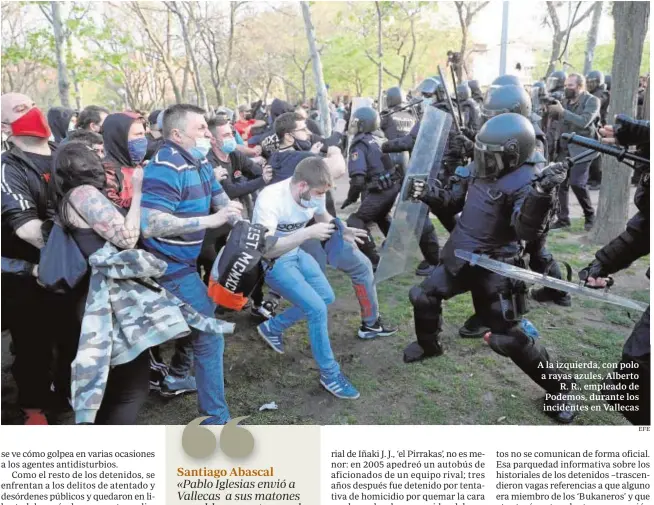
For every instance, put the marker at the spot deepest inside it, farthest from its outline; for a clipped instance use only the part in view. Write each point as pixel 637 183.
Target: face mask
pixel 312 202
pixel 229 146
pixel 570 93
pixel 31 124
pixel 137 149
pixel 302 145
pixel 71 126
pixel 202 146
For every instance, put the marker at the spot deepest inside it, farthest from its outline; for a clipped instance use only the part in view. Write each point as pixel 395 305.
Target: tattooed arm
pixel 103 217
pixel 155 223
pixel 221 201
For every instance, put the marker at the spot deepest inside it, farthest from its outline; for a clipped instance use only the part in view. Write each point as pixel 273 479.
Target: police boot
pixel 544 294
pixel 534 361
pixel 428 325
pixel 473 328
pixel 430 250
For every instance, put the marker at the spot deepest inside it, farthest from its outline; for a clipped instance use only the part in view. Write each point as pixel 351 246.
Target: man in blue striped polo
pixel 181 199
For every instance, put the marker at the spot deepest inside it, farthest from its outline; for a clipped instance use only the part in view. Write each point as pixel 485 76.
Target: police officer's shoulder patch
pixel 462 171
pixel 355 155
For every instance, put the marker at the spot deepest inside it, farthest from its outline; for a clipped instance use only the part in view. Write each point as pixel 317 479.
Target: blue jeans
pixel 357 267
pixel 206 348
pixel 299 279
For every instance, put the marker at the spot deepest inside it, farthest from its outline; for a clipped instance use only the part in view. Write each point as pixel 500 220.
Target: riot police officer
pixel 556 84
pixel 596 87
pixel 500 100
pixel 578 113
pixel 396 122
pixel 631 244
pixel 433 95
pixel 507 201
pixel 373 176
pixel 469 107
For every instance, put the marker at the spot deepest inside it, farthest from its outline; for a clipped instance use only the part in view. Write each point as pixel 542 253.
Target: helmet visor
pixel 488 160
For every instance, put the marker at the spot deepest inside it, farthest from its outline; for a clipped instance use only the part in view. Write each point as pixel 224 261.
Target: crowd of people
pixel 133 229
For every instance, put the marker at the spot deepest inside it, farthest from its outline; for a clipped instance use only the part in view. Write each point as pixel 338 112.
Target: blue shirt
pixel 284 162
pixel 175 183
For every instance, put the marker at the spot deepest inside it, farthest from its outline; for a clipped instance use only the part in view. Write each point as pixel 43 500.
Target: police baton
pixel 449 101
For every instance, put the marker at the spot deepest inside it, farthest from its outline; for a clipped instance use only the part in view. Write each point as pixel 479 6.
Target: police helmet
pixel 594 80
pixel 365 119
pixel 394 96
pixel 556 80
pixel 463 91
pixel 502 145
pixel 474 86
pixel 503 99
pixel 507 80
pixel 432 87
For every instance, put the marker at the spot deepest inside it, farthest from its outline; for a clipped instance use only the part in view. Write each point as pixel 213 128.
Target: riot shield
pixel 401 246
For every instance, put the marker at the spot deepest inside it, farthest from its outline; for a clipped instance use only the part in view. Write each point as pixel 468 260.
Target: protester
pixel 89 138
pixel 284 209
pixel 91 118
pixel 125 146
pixel 92 220
pixel 61 121
pixel 154 134
pixel 179 192
pixel 246 122
pixel 26 170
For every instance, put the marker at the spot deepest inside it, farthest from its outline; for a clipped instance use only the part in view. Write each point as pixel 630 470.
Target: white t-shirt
pixel 277 210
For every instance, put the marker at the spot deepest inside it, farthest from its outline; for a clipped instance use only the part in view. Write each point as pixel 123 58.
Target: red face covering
pixel 31 124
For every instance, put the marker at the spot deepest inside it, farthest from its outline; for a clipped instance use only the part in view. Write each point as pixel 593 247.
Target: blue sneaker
pixel 175 386
pixel 339 386
pixel 274 341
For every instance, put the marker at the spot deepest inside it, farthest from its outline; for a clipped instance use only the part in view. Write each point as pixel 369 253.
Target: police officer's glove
pixel 468 132
pixel 555 109
pixel 385 182
pixel 357 186
pixel 467 145
pixel 552 176
pixel 417 189
pixel 595 270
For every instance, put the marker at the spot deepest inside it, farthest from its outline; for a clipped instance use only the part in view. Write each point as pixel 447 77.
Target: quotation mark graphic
pixel 200 442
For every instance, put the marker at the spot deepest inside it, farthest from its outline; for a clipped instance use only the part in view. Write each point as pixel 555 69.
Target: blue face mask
pixel 309 201
pixel 302 145
pixel 137 149
pixel 202 146
pixel 229 146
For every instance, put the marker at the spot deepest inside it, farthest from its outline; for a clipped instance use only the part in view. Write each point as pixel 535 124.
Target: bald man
pixel 35 315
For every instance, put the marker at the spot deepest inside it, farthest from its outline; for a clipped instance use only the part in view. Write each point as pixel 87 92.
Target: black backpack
pixel 238 269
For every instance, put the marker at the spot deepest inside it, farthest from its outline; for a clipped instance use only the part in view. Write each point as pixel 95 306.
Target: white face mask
pixel 71 126
pixel 201 148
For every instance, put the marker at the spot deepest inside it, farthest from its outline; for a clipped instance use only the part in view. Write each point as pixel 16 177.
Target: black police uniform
pixel 396 125
pixel 496 215
pixel 595 170
pixel 372 176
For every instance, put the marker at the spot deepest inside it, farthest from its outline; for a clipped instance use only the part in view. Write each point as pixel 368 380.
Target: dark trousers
pixel 542 261
pixel 44 335
pixel 214 241
pixel 126 392
pixel 375 208
pixel 485 286
pixel 636 360
pixel 595 172
pixel 576 180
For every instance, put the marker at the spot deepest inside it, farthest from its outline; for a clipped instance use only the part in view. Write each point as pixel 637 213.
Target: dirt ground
pixel 469 384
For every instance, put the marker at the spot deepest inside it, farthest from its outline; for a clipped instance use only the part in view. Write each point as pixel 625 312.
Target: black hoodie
pixel 59 119
pixel 118 164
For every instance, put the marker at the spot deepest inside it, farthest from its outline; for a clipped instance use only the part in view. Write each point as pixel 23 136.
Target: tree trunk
pixel 464 47
pixel 591 41
pixel 73 73
pixel 380 58
pixel 556 50
pixel 321 90
pixel 62 71
pixel 199 86
pixel 630 26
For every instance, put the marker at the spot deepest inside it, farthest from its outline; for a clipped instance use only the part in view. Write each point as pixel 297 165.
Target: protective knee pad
pixel 511 343
pixel 419 298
